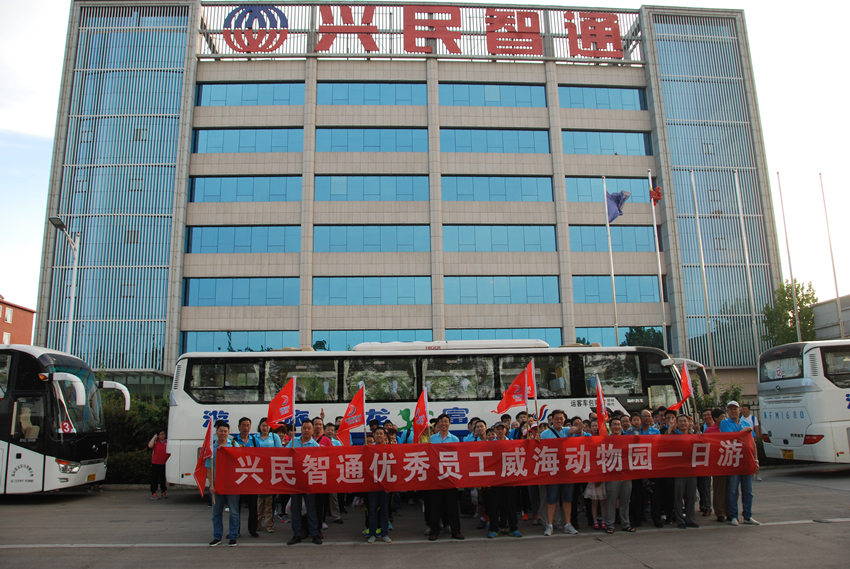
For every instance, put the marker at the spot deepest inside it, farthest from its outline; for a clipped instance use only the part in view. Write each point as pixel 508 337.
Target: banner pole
pixel 658 260
pixel 611 259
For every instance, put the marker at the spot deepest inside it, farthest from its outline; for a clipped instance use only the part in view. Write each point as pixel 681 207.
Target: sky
pixel 800 81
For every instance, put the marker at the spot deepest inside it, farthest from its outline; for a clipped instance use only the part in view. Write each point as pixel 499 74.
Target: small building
pixel 826 319
pixel 15 323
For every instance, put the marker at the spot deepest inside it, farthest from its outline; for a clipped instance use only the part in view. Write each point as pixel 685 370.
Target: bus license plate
pixel 91 477
pixel 788 454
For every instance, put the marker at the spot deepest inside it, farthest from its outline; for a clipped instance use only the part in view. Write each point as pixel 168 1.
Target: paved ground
pixel 805 513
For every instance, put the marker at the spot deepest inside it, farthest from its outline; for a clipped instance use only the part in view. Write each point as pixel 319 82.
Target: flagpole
pixel 658 258
pixel 790 270
pixel 704 280
pixel 756 339
pixel 834 277
pixel 536 410
pixel 611 259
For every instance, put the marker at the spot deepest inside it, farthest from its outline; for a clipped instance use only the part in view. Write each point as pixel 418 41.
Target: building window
pixel 602 98
pixel 372 188
pixel 343 340
pixel 371 140
pixel 128 290
pixel 131 237
pixel 241 292
pixel 708 148
pixel 624 238
pixel 371 238
pixel 483 238
pixel 238 341
pixel 551 336
pixel 607 143
pixel 630 289
pixel 720 243
pixel 7 339
pixel 257 239
pixel 248 140
pixel 714 195
pixel 628 336
pixel 136 184
pixel 140 134
pixel 502 290
pixel 8 317
pixel 490 95
pixel 496 189
pixel 250 94
pixel 494 141
pixel 246 189
pixel 397 94
pixel 583 190
pixel 361 291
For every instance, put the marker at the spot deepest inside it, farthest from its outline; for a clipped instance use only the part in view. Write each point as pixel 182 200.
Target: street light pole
pixel 74 242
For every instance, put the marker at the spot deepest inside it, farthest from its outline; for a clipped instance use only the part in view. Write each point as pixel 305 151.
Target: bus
pixel 464 379
pixel 51 421
pixel 804 401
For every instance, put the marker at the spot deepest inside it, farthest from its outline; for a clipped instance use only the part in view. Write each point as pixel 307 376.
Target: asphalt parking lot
pixel 805 515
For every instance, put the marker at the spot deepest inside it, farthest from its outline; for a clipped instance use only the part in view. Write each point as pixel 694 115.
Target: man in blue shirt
pixel 556 492
pixel 639 486
pixel 734 424
pixel 222 431
pixel 245 438
pixel 443 503
pixel 305 441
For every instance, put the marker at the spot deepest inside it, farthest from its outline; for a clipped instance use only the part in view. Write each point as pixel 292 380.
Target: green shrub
pixel 129 467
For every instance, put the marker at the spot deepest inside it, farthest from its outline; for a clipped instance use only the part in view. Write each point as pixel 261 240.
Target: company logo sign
pixel 22 473
pixel 254 29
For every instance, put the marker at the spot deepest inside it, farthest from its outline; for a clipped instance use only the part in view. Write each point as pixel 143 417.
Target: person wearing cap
pixel 733 424
pixel 501 502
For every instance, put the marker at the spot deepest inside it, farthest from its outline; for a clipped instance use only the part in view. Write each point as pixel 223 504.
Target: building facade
pixel 15 323
pixel 256 177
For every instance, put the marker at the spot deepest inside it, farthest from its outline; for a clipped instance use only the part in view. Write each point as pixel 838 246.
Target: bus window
pixel 836 366
pixel 459 378
pixel 5 367
pixel 781 368
pixel 27 373
pixel 661 395
pixel 223 382
pixel 387 379
pixel 551 374
pixel 29 421
pixel 619 373
pixel 315 380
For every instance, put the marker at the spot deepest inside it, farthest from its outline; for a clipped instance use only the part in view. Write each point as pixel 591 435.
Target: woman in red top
pixel 158 444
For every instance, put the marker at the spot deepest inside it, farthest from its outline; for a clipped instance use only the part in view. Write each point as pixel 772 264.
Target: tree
pixel 779 318
pixel 644 336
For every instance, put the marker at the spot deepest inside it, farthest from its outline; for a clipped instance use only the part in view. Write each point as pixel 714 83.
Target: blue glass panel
pixel 238 341
pixel 630 289
pixel 372 188
pixel 602 98
pixel 607 143
pixel 492 95
pixel 552 336
pixel 496 188
pixel 591 189
pixel 628 336
pixel 404 94
pixel 256 239
pixel 360 291
pixel 629 239
pixel 485 238
pixel 249 94
pixel 343 340
pixel 494 141
pixel 371 140
pixel 501 290
pixel 212 141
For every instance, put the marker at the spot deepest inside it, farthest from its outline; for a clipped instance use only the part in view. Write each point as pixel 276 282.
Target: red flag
pixel 420 417
pixel 687 388
pixel 355 415
pixel 344 437
pixel 601 410
pixel 206 452
pixel 282 407
pixel 516 395
pixel 655 195
pixel 531 387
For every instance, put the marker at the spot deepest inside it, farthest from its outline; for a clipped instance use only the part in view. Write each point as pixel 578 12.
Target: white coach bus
pixel 464 379
pixel 804 401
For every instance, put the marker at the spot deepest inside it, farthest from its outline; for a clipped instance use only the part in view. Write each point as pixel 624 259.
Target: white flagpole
pixel 704 280
pixel 658 258
pixel 611 259
pixel 756 338
pixel 790 270
pixel 834 277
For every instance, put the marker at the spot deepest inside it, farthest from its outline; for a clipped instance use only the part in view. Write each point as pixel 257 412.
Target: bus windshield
pixel 781 368
pixel 836 366
pixel 73 418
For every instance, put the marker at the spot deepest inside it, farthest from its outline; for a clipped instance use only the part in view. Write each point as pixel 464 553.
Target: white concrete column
pixel 308 186
pixel 438 311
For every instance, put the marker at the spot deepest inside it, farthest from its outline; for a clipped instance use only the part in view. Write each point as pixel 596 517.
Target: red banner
pixel 495 463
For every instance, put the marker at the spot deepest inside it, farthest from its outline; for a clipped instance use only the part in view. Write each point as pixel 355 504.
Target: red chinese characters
pixel 329 28
pixel 431 22
pixel 513 32
pixel 599 35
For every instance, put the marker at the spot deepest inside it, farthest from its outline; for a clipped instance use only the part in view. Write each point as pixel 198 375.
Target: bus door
pixel 5 411
pixel 25 464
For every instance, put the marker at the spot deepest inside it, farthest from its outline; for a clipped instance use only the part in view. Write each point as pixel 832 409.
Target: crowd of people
pixel 627 503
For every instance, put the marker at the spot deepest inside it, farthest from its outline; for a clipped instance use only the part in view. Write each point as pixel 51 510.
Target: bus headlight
pixel 68 467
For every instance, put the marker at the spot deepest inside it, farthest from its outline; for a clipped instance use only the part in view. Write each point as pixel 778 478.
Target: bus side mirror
pixel 79 387
pixel 120 387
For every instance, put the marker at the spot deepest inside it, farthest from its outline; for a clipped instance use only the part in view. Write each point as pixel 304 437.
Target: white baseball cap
pixel 732 404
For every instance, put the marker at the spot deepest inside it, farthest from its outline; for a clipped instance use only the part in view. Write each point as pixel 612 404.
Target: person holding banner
pixel 266 438
pixel 305 440
pixel 379 501
pixel 443 502
pixel 618 490
pixel 684 488
pixel 245 438
pixel 734 424
pixel 558 492
pixel 222 431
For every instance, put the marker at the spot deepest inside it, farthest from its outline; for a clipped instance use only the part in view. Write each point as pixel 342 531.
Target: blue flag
pixel 615 204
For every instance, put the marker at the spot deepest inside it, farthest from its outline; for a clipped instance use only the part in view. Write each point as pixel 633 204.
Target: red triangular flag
pixel 355 414
pixel 531 387
pixel 206 452
pixel 420 417
pixel 282 407
pixel 601 410
pixel 687 388
pixel 516 395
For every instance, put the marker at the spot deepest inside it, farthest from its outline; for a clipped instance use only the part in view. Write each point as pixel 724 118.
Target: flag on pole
pixel 206 452
pixel 282 407
pixel 531 387
pixel 687 388
pixel 615 204
pixel 354 416
pixel 601 410
pixel 516 395
pixel 655 194
pixel 420 417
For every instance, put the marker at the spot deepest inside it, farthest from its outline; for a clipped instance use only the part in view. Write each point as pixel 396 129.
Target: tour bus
pixel 464 379
pixel 804 401
pixel 51 421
